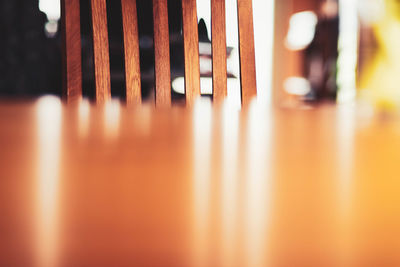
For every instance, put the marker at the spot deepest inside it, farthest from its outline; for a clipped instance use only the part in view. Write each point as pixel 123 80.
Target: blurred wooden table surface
pixel 211 186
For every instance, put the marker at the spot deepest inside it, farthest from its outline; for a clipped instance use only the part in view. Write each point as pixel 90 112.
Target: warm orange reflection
pixel 202 127
pixel 346 120
pixel 49 131
pixel 257 178
pixel 229 190
pixel 346 124
pixel 112 112
pixel 142 120
pixel 84 117
pixel 212 186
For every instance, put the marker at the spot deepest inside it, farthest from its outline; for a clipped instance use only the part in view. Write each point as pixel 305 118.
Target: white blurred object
pixel 264 21
pixel 112 116
pixel 301 30
pixel 51 28
pixel 297 86
pixel 348 51
pixel 371 11
pixel 51 8
pixel 233 84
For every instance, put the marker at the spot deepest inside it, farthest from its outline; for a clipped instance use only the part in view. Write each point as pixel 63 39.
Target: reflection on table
pixel 210 186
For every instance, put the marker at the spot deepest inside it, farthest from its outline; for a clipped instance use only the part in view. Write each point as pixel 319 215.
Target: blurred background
pixel 307 51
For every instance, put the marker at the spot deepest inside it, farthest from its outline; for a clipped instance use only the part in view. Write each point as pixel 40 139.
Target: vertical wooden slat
pixel 219 49
pixel 161 53
pixel 191 50
pixel 101 50
pixel 131 49
pixel 71 34
pixel 246 51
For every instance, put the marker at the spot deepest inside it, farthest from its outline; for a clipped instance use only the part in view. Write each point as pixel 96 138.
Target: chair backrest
pixel 72 73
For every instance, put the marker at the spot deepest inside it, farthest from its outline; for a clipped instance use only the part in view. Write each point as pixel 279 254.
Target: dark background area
pixel 30 63
pixel 30 60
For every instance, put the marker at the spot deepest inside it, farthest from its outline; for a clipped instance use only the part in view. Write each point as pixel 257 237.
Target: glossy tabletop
pixel 111 185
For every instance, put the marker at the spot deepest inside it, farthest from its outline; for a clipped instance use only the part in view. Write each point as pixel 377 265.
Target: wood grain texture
pixel 191 51
pixel 219 67
pixel 162 67
pixel 131 51
pixel 246 51
pixel 101 50
pixel 71 57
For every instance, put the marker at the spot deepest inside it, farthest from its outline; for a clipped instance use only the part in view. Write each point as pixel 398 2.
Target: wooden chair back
pixel 72 70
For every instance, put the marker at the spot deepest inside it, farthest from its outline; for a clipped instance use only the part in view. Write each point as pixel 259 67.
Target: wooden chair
pixel 72 73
